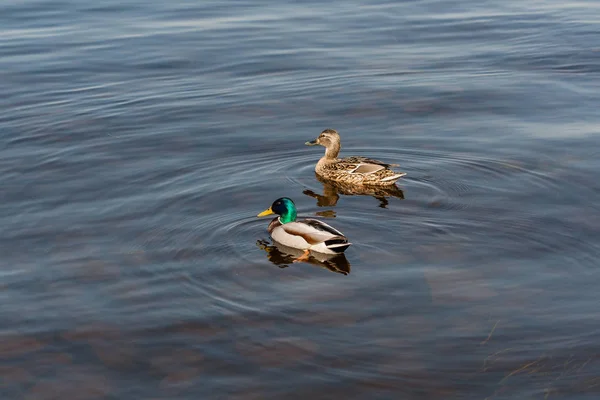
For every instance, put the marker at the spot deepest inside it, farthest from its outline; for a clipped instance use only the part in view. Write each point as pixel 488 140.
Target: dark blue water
pixel 139 140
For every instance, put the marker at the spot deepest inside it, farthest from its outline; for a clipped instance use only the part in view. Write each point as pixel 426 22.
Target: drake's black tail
pixel 337 244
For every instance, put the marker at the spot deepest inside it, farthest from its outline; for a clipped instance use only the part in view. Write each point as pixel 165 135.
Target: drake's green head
pixel 284 207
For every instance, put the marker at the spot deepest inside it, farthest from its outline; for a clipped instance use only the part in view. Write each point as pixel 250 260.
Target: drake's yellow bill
pixel 268 211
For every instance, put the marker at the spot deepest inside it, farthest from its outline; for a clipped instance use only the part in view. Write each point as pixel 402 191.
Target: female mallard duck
pixel 352 170
pixel 306 234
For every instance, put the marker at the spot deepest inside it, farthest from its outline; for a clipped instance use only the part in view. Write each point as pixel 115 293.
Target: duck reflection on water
pixel 332 191
pixel 283 256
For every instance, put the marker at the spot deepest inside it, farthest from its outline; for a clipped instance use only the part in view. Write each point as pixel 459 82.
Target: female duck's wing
pixel 366 169
pixel 366 160
pixel 364 165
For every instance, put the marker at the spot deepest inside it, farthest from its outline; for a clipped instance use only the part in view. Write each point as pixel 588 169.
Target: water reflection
pixel 282 256
pixel 332 191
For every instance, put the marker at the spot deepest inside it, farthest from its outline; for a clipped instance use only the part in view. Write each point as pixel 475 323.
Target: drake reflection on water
pixel 283 256
pixel 332 191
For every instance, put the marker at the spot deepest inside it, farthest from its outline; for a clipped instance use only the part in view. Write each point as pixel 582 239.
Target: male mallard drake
pixel 306 234
pixel 352 170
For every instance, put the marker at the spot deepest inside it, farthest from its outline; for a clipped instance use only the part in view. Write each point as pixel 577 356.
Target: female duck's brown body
pixel 351 170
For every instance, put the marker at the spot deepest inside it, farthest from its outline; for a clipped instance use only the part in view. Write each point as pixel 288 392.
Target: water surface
pixel 140 140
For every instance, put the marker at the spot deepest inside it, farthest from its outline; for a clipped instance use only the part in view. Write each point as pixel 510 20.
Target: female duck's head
pixel 284 207
pixel 329 139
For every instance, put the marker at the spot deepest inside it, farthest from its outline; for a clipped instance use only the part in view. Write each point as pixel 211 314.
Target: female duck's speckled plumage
pixel 351 170
pixel 305 234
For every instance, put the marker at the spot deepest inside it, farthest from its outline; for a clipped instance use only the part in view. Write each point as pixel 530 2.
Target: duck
pixel 351 170
pixel 305 234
